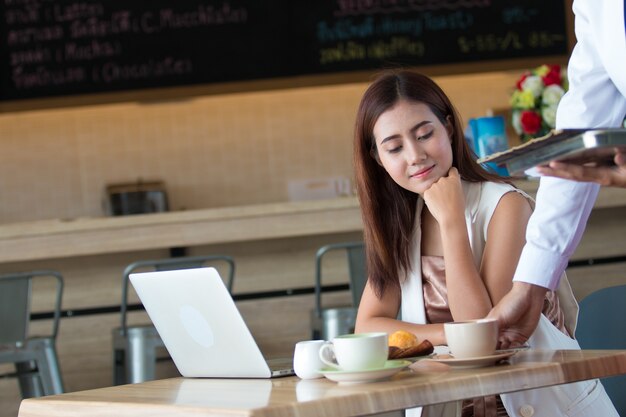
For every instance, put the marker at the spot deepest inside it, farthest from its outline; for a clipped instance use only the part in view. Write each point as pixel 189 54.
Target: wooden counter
pixel 320 397
pixel 49 239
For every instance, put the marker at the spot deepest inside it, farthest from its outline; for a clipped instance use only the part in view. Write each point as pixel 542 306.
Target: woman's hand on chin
pixel 445 199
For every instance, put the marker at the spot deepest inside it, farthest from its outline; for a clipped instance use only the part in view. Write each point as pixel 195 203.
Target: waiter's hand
pixel 614 176
pixel 518 313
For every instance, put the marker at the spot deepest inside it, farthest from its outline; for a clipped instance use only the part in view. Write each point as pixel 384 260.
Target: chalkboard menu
pixel 68 47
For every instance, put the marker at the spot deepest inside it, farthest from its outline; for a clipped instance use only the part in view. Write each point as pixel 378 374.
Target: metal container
pixel 137 198
pixel 333 322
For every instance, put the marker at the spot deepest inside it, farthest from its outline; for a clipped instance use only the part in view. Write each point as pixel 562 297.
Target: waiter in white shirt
pixel 596 98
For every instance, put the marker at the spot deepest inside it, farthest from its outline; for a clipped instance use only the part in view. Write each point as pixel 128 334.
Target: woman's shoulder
pixel 508 198
pixel 498 190
pixel 484 197
pixel 498 187
pixel 477 192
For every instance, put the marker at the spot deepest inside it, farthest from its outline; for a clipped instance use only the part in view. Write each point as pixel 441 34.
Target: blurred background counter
pixel 63 238
pixel 69 238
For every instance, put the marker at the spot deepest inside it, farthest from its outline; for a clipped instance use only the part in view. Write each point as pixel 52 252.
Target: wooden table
pixel 291 396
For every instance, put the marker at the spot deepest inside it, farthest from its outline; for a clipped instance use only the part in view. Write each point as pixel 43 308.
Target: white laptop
pixel 201 327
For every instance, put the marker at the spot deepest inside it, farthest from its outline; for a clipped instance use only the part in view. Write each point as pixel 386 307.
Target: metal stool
pixel 326 323
pixel 35 357
pixel 135 347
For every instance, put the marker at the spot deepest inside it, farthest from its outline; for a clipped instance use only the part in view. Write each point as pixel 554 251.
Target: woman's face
pixel 412 145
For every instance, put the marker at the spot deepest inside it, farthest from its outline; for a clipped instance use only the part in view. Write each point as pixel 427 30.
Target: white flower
pixel 534 84
pixel 552 95
pixel 516 120
pixel 548 114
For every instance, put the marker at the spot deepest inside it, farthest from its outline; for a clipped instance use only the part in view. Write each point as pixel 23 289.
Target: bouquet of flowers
pixel 535 99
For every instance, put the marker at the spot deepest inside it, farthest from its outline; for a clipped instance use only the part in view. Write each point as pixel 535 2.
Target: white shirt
pixel 596 98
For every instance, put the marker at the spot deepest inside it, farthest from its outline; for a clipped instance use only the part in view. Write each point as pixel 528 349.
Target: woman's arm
pixel 468 297
pixel 504 243
pixel 380 315
pixel 472 292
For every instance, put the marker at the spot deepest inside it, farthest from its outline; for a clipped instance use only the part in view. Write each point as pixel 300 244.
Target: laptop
pixel 201 327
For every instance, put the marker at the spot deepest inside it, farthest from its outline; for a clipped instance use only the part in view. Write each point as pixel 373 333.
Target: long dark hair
pixel 388 210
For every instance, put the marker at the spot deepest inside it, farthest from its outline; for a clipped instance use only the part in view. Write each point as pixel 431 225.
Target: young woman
pixel 442 234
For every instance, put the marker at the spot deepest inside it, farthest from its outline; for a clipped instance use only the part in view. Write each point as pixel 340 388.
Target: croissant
pixel 423 348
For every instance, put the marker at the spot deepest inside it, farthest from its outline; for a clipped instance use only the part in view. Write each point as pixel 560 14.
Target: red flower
pixel 553 76
pixel 521 80
pixel 530 121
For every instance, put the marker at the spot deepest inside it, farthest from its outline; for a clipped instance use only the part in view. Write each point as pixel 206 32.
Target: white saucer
pixel 477 362
pixel 418 358
pixel 391 367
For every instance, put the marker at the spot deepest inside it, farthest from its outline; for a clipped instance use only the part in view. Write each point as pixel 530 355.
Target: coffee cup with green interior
pixel 356 352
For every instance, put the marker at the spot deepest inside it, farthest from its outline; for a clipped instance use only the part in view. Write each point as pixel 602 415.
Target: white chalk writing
pixel 44 77
pixel 90 50
pixel 112 72
pixel 34 35
pixel 30 56
pixel 362 7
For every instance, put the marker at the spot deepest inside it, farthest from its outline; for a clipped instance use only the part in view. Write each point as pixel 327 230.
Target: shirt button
pixel 527 410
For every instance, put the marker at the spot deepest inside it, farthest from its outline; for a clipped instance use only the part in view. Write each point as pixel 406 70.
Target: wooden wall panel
pixel 587 279
pixel 605 234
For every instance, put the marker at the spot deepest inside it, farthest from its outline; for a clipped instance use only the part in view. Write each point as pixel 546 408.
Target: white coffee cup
pixel 472 338
pixel 356 352
pixel 306 359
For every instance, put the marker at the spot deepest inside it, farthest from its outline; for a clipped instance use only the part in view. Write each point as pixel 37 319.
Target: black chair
pixel 327 323
pixel 135 347
pixel 35 357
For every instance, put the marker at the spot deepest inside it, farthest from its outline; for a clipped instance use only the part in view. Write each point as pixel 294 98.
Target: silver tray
pixel 577 146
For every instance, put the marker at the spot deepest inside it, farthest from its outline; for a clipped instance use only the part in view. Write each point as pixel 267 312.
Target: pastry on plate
pixel 403 344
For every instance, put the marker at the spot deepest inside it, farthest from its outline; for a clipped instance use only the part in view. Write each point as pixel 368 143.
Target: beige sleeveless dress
pixel 437 311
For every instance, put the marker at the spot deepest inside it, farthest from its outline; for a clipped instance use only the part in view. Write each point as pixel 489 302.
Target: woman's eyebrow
pixel 388 138
pixel 414 128
pixel 420 124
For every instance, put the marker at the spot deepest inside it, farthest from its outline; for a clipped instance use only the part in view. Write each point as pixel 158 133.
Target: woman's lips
pixel 423 173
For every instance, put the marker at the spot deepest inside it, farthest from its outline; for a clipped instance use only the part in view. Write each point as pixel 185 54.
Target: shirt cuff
pixel 540 267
